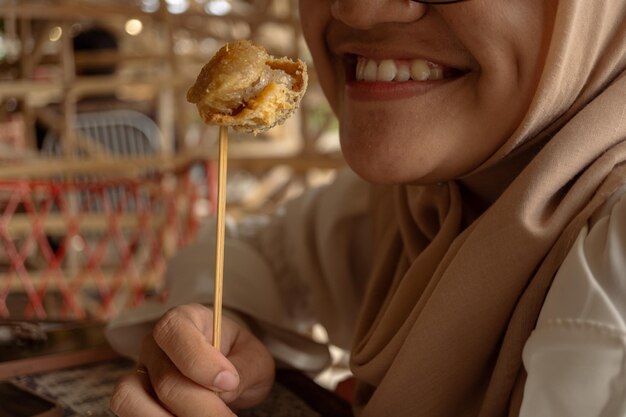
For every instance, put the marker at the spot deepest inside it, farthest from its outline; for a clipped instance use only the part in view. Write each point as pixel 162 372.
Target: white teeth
pixel 403 74
pixel 386 70
pixel 400 71
pixel 370 71
pixel 420 70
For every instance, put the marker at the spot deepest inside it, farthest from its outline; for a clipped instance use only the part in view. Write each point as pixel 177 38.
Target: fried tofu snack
pixel 244 87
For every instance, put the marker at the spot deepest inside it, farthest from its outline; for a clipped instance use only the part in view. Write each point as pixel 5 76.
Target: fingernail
pixel 226 381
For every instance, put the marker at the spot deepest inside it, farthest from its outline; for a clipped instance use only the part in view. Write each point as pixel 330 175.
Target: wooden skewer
pixel 219 248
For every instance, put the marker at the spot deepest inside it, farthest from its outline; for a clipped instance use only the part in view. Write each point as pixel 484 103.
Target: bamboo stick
pixel 219 237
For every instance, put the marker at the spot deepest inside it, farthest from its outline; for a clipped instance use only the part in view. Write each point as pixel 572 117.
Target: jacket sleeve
pixel 576 356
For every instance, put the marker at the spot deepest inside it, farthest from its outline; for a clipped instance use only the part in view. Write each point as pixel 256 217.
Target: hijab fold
pixel 457 291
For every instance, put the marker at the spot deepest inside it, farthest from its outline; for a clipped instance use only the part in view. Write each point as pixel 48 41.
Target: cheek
pixel 425 139
pixel 315 17
pixel 511 52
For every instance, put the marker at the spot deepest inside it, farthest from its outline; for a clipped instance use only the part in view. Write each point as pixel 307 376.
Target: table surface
pixel 86 391
pixel 83 384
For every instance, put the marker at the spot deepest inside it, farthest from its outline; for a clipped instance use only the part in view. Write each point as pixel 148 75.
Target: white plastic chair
pixel 119 133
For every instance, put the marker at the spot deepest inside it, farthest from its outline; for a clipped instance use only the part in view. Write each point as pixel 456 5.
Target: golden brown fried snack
pixel 244 87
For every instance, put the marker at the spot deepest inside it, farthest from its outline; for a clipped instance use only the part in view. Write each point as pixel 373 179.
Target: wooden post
pixel 168 110
pixel 27 67
pixel 68 139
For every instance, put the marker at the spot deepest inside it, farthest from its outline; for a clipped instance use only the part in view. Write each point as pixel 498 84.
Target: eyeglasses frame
pixel 438 2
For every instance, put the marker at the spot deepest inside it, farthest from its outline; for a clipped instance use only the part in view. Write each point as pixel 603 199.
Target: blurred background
pixel 105 170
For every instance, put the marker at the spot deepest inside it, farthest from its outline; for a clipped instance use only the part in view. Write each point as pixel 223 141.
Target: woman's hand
pixel 186 376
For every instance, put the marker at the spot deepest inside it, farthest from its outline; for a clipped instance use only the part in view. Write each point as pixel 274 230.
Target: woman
pixel 498 229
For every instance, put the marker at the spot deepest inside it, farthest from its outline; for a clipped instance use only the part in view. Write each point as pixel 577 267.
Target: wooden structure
pixel 39 66
pixel 162 45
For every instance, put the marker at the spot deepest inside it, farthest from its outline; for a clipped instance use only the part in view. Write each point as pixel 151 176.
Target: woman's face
pixel 426 93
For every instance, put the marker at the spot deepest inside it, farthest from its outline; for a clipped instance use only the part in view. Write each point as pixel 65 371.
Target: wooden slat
pixel 151 280
pixel 56 224
pixel 81 10
pixel 122 168
pixel 82 86
pixel 135 167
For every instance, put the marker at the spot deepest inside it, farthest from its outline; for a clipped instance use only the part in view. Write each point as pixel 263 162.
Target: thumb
pixel 256 369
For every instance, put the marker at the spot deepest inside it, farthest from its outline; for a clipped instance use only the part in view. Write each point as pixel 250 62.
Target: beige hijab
pixel 444 336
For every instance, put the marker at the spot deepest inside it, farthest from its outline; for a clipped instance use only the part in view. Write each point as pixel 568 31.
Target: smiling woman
pixel 479 271
pixel 462 82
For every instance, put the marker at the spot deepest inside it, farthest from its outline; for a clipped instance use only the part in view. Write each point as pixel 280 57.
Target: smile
pixel 380 78
pixel 388 70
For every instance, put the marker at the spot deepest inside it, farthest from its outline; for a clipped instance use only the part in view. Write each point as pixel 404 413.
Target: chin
pixel 387 162
pixel 375 177
pixel 384 169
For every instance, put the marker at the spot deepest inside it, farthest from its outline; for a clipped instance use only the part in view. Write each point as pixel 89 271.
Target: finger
pixel 179 394
pixel 256 369
pixel 184 334
pixel 132 397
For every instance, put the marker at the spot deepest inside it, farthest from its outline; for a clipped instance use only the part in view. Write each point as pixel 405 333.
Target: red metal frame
pixel 146 199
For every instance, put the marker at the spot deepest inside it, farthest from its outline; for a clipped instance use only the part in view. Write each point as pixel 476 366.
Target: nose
pixel 364 14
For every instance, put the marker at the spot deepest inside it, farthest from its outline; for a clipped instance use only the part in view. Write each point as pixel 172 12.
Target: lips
pixel 394 61
pixel 394 78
